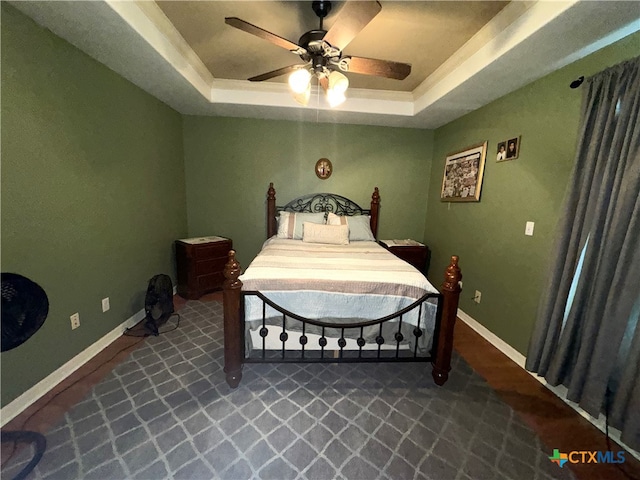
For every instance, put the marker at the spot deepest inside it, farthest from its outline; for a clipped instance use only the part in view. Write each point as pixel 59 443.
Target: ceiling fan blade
pixel 379 68
pixel 261 33
pixel 274 73
pixel 353 17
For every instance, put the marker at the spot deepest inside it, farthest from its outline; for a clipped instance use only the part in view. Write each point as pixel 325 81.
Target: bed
pixel 314 294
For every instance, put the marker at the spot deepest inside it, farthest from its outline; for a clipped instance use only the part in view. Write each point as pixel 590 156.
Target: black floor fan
pixel 24 309
pixel 158 303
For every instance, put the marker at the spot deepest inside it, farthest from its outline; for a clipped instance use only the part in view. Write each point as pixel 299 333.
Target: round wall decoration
pixel 324 169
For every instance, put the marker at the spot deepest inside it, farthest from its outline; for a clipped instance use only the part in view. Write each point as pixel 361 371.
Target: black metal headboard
pixel 324 202
pixel 321 202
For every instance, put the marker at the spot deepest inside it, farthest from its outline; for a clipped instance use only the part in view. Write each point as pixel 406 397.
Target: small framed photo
pixel 502 152
pixel 512 148
pixel 463 171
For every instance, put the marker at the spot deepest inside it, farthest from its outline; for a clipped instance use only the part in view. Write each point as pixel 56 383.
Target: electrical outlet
pixel 75 321
pixel 105 304
pixel 477 297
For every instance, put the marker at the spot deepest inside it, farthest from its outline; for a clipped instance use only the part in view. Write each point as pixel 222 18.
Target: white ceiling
pixel 497 51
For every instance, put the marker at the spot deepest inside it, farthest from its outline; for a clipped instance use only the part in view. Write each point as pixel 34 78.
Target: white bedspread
pixel 358 281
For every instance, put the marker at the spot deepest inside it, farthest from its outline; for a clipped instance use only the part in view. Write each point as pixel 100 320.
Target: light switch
pixel 528 229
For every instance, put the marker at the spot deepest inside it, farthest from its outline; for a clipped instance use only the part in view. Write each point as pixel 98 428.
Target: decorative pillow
pixel 331 234
pixel 333 219
pixel 359 226
pixel 290 224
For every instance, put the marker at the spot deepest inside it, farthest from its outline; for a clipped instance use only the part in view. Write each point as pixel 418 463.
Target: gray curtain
pixel 587 337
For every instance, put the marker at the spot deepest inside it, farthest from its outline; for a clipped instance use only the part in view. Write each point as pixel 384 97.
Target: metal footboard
pixel 288 322
pixel 234 327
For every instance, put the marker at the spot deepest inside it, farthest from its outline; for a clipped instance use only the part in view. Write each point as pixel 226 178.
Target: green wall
pixel 93 192
pixel 496 257
pixel 229 163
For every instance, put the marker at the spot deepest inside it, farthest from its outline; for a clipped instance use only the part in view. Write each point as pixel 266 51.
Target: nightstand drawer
pixel 218 249
pixel 211 281
pixel 203 267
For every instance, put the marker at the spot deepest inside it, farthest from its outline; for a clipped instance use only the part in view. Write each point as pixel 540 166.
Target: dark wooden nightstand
pixel 411 252
pixel 200 263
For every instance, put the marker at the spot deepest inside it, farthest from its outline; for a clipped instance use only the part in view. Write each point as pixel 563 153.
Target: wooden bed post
pixel 375 207
pixel 451 293
pixel 272 224
pixel 233 335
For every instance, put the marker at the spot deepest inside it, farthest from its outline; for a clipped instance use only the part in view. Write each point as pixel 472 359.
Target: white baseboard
pixel 28 398
pixel 44 386
pixel 493 339
pixel 560 391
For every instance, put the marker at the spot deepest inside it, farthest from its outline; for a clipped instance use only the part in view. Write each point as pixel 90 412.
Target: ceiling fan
pixel 322 52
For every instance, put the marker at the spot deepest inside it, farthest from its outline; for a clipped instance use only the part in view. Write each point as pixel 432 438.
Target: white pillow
pixel 331 234
pixel 333 219
pixel 359 226
pixel 290 223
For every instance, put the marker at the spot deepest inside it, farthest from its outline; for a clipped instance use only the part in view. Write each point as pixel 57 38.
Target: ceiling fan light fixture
pixel 338 82
pixel 303 97
pixel 335 97
pixel 300 81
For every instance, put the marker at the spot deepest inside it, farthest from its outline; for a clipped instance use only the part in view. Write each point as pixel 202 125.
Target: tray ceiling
pixel 423 34
pixel 463 54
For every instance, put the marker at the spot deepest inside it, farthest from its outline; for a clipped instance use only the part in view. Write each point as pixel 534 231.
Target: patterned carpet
pixel 166 412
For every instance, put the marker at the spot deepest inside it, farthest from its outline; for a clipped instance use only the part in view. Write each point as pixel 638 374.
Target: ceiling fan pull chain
pixel 318 104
